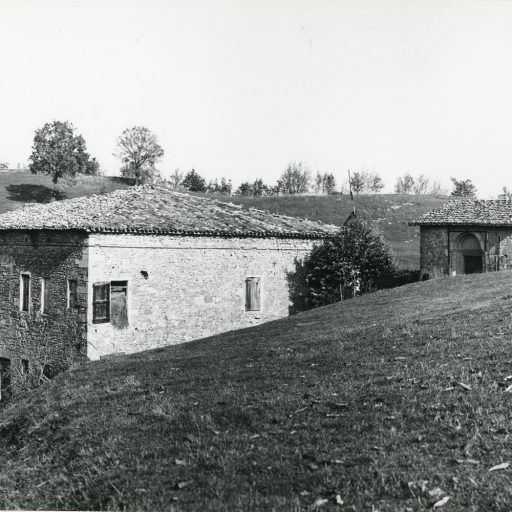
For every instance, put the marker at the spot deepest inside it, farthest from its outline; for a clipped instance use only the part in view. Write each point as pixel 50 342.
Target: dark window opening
pixel 25 366
pixel 252 294
pixel 119 304
pixel 5 379
pixel 25 292
pixel 101 303
pixel 72 293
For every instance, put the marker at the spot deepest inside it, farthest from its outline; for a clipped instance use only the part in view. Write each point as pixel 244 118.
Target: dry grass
pixel 367 401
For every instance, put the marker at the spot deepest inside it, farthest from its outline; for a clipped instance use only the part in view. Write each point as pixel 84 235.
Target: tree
pixel 366 181
pixel 224 188
pixel 175 179
pixel 506 195
pixel 357 183
pixel 421 184
pixel 463 188
pixel 4 165
pixel 355 260
pixel 139 151
pixel 60 153
pixel 244 189
pixel 375 183
pixel 296 179
pixel 329 183
pixel 404 184
pixel 194 182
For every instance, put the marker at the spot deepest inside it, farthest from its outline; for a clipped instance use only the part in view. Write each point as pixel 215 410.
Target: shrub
pixel 355 261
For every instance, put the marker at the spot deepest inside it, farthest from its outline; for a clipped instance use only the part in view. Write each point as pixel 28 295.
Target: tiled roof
pixel 469 213
pixel 160 210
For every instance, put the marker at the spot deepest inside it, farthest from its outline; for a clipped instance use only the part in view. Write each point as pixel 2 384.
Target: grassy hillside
pixel 390 213
pixel 391 402
pixel 18 188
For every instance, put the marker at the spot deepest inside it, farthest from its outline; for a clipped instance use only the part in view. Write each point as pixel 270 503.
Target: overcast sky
pixel 240 88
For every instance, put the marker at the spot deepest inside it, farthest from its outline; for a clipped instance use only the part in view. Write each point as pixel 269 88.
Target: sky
pixel 239 89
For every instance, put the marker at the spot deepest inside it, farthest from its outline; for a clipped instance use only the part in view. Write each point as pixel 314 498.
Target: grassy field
pixel 394 401
pixel 389 212
pixel 18 188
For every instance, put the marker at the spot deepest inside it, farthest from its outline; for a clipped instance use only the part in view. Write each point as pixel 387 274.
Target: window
pixel 119 304
pixel 72 293
pixel 253 294
pixel 110 303
pixel 101 303
pixel 25 366
pixel 25 292
pixel 45 302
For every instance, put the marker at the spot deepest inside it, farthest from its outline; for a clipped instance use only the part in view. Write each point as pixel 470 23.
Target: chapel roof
pixel 469 212
pixel 159 210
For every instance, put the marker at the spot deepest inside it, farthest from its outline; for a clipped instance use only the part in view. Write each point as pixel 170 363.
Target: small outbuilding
pixel 138 269
pixel 466 237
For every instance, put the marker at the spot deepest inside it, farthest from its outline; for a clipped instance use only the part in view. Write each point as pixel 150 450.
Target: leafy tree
pixel 296 179
pixel 366 181
pixel 60 153
pixel 224 188
pixel 375 183
pixel 139 151
pixel 244 189
pixel 506 195
pixel 194 182
pixel 329 183
pixel 463 188
pixel 421 184
pixel 4 165
pixel 357 182
pixel 175 179
pixel 404 184
pixel 354 261
pixel 325 183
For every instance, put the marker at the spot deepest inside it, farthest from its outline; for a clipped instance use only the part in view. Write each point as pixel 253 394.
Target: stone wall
pixel 434 251
pixel 183 288
pixel 441 254
pixel 58 335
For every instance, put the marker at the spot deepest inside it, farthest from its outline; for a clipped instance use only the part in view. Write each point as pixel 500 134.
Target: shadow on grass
pixel 29 193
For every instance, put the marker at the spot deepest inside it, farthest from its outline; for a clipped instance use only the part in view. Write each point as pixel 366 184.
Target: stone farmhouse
pixel 138 269
pixel 466 236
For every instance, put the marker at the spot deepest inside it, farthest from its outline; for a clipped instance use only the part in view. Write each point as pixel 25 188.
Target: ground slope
pixel 392 402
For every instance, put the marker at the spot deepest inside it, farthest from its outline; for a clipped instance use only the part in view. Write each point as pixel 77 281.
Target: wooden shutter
pixel 252 294
pixel 25 292
pixel 101 303
pixel 72 293
pixel 119 304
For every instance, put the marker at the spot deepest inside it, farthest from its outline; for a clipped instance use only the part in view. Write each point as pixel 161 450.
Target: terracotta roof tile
pixel 469 212
pixel 160 210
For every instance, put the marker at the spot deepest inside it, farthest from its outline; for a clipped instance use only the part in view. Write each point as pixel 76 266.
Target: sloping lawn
pixel 394 402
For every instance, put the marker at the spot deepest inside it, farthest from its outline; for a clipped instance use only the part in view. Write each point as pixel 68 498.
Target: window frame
pixel 69 305
pixel 249 308
pixel 95 302
pixel 25 288
pixel 43 307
